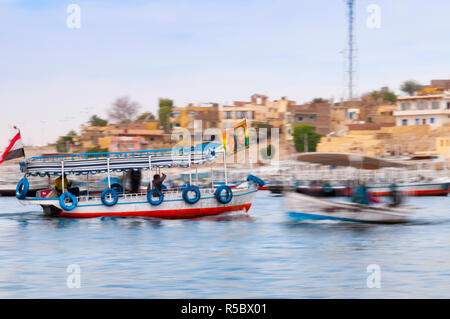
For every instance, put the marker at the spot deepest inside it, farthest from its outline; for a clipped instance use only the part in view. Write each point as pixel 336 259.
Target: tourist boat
pixel 433 188
pixel 413 189
pixel 188 201
pixel 302 207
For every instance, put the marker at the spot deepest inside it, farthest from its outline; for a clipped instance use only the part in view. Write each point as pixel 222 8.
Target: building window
pixel 175 115
pixel 152 138
pixel 448 105
pixel 431 120
pixel 435 105
pixel 417 121
pixel 405 106
pixel 192 113
pixel 424 121
pixel 404 122
pixel 422 105
pixel 228 115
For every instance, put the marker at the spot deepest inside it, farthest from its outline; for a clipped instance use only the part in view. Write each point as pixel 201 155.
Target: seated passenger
pixel 157 181
pixel 58 184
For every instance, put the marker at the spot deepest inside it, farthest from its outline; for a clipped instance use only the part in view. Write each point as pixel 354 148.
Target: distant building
pixel 185 117
pixel 126 143
pixel 430 109
pixel 123 137
pixel 443 146
pixel 317 115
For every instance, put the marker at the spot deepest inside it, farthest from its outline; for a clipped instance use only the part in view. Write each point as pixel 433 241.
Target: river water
pixel 257 255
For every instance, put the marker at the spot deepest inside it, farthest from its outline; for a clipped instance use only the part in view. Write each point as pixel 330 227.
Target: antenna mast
pixel 350 49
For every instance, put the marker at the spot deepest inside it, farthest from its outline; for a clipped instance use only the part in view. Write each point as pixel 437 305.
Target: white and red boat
pixel 413 189
pixel 188 201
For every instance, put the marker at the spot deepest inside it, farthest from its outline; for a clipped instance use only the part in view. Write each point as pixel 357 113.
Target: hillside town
pixel 377 124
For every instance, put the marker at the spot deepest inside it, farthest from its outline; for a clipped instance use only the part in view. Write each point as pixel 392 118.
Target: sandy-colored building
pixel 317 115
pixel 186 117
pixel 443 146
pixel 109 137
pixel 431 109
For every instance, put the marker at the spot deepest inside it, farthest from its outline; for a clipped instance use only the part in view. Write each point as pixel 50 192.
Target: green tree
pixel 319 100
pixel 97 121
pixel 390 97
pixel 410 87
pixel 63 141
pixel 306 133
pixel 146 116
pixel 165 108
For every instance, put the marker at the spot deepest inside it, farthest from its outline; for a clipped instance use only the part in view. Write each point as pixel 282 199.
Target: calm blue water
pixel 258 255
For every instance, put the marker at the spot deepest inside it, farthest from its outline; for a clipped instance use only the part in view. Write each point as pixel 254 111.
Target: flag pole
pixel 16 128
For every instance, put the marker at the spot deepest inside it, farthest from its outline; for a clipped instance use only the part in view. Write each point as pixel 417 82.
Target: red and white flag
pixel 14 149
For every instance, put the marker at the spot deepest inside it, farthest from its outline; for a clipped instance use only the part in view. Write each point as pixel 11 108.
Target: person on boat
pixel 361 195
pixel 135 178
pixel 157 181
pixel 58 184
pixel 67 184
pixel 396 196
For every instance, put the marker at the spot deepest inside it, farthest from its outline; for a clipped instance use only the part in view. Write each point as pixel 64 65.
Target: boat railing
pixel 172 193
pixel 197 149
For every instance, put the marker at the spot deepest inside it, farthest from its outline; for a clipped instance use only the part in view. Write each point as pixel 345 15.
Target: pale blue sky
pixel 53 78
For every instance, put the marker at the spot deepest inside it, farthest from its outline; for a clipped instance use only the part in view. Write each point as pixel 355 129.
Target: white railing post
pixel 225 167
pixel 190 168
pixel 109 175
pixel 62 176
pixel 150 170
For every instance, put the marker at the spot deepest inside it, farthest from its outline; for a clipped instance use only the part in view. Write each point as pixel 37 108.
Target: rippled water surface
pixel 260 254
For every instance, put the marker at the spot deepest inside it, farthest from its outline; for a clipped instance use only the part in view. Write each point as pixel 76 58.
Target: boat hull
pixel 424 189
pixel 303 207
pixel 173 206
pixel 412 189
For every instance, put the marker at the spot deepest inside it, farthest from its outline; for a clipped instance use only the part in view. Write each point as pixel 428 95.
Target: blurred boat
pixel 302 207
pixel 305 207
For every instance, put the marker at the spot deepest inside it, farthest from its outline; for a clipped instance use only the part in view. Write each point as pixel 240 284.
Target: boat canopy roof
pixel 348 160
pixel 92 163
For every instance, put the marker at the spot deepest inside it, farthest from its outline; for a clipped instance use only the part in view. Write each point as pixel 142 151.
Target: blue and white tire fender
pixel 153 201
pixel 187 190
pixel 22 188
pixel 228 196
pixel 255 179
pixel 64 205
pixel 109 197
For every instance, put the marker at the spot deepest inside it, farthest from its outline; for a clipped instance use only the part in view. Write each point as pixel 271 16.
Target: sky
pixel 54 78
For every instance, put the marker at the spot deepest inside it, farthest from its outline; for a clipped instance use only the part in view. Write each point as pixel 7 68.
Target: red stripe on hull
pixel 167 214
pixel 435 192
pixel 263 188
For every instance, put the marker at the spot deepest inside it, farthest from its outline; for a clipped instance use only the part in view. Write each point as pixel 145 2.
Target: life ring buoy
pixel 22 188
pixel 150 197
pixel 255 179
pixel 62 201
pixel 117 187
pixel 220 197
pixel 105 197
pixel 191 188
